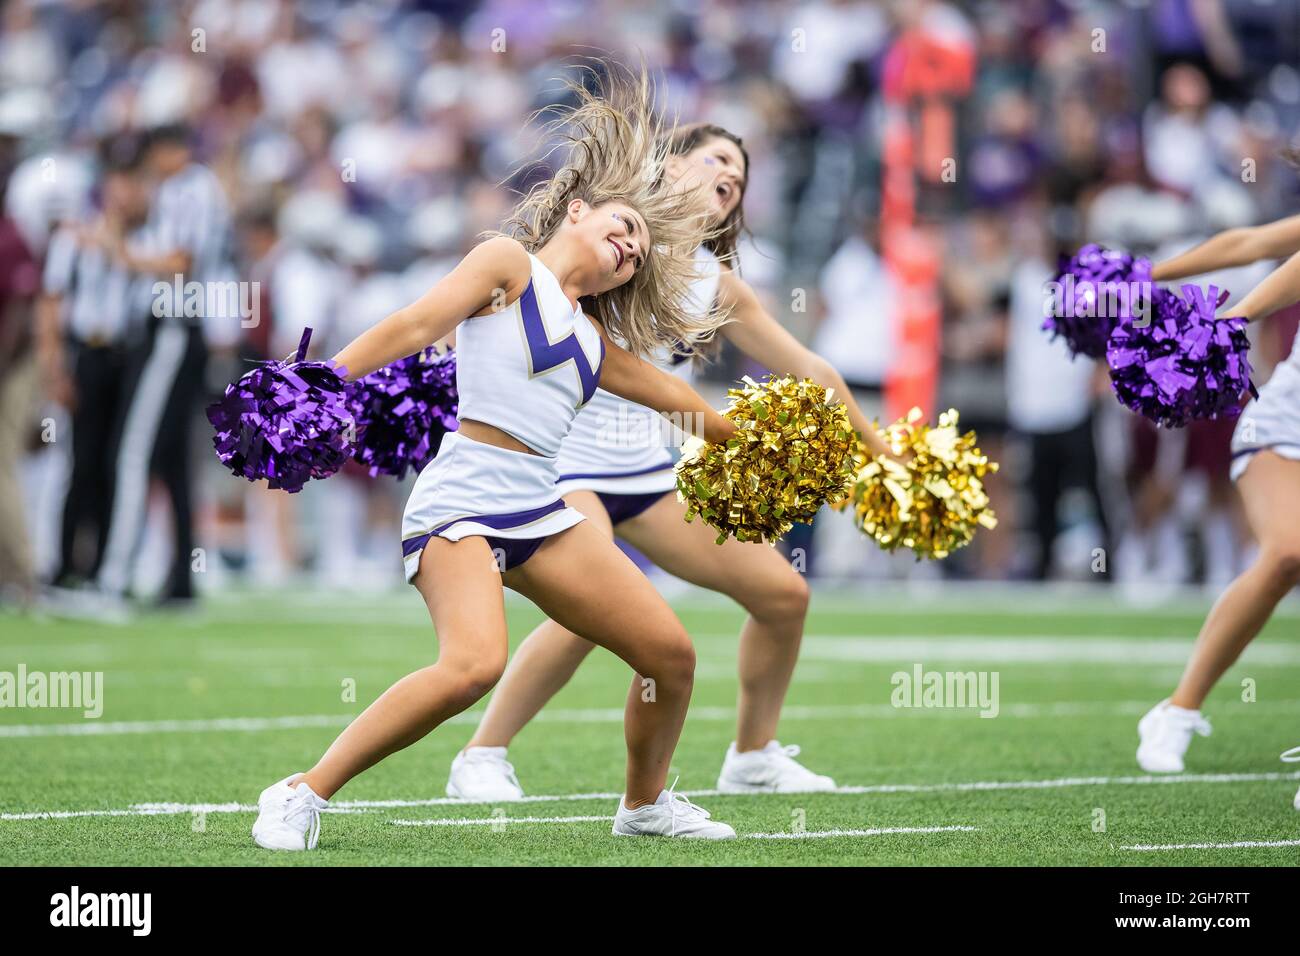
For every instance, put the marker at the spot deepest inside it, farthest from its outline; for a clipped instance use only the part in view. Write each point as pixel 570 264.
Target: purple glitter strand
pixel 286 422
pixel 1185 364
pixel 403 410
pixel 1097 289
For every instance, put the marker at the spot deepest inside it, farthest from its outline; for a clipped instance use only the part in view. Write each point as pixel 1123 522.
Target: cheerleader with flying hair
pixel 1266 468
pixel 615 469
pixel 594 272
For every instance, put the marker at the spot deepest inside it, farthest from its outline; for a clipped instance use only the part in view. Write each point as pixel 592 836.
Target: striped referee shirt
pixel 102 300
pixel 190 214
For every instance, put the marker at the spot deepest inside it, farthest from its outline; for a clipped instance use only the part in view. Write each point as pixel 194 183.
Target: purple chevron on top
pixel 545 355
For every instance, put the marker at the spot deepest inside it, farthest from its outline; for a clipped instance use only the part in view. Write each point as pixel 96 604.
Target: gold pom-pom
pixel 859 457
pixel 934 503
pixel 792 453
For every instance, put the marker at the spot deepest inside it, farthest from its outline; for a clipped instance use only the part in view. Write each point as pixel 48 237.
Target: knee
pixel 675 661
pixel 777 598
pixel 1283 563
pixel 471 678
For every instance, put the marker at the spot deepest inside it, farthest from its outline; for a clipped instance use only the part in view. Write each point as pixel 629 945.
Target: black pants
pixel 99 376
pixel 1061 461
pixel 157 433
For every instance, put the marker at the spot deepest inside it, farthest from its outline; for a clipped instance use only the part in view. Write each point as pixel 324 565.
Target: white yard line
pixel 607 715
pixel 878 831
pixel 1061 783
pixel 139 810
pixel 801 835
pixel 1237 845
pixel 945 598
pixel 354 806
pixel 1030 648
pixel 840 649
pixel 490 821
pixel 95 728
pixel 97 652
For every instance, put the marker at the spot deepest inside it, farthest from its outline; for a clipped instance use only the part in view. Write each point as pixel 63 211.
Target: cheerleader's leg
pixel 582 581
pixel 755 576
pixel 545 661
pixel 461 584
pixel 1270 489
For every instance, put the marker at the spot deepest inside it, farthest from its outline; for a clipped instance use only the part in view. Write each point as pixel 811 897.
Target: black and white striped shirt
pixel 190 214
pixel 103 301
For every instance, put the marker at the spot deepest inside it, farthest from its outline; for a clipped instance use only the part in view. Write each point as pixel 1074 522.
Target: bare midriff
pixel 491 435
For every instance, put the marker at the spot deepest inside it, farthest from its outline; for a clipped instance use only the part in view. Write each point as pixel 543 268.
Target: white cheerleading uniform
pixel 1272 421
pixel 527 370
pixel 618 448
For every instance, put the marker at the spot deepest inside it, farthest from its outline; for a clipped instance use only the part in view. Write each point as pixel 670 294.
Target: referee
pixel 187 238
pixel 90 309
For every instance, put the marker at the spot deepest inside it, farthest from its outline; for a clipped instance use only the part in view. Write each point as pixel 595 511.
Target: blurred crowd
pixel 335 159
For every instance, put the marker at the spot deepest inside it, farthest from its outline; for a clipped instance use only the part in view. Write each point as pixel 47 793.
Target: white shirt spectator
pixel 1181 152
pixel 294 76
pixel 306 288
pixel 1047 391
pixel 235 23
pixel 821 40
pixel 46 190
pixel 860 296
pixel 365 301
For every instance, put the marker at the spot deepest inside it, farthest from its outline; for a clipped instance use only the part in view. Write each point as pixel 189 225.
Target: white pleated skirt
pixel 472 488
pixel 1270 422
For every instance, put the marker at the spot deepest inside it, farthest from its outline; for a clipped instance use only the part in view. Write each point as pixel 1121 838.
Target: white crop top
pixel 530 367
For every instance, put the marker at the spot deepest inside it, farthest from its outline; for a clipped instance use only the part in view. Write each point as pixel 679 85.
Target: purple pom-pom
pixel 1096 290
pixel 1185 364
pixel 403 410
pixel 286 422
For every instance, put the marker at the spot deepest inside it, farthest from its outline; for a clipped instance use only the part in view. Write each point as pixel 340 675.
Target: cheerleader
pixel 615 469
pixel 596 253
pixel 1266 468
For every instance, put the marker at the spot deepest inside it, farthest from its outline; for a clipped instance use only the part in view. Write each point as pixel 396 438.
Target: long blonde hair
pixel 616 148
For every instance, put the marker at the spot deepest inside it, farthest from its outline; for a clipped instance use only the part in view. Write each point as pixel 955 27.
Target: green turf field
pixel 202 711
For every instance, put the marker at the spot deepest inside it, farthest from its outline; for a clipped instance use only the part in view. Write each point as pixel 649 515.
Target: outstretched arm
pixel 638 381
pixel 766 341
pixel 494 273
pixel 1233 247
pixel 1279 290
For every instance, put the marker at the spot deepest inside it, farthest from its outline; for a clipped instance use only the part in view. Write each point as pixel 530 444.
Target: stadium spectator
pixel 411 117
pixel 19 281
pixel 91 309
pixel 1050 403
pixel 186 239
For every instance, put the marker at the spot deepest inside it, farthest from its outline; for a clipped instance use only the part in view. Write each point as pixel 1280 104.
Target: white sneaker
pixel 770 770
pixel 288 817
pixel 1165 734
pixel 672 815
pixel 483 773
pixel 1293 756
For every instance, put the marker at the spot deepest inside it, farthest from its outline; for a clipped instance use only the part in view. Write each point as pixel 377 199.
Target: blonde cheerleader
pixel 595 275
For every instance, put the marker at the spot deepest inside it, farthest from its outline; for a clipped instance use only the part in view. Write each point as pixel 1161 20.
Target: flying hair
pixel 614 145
